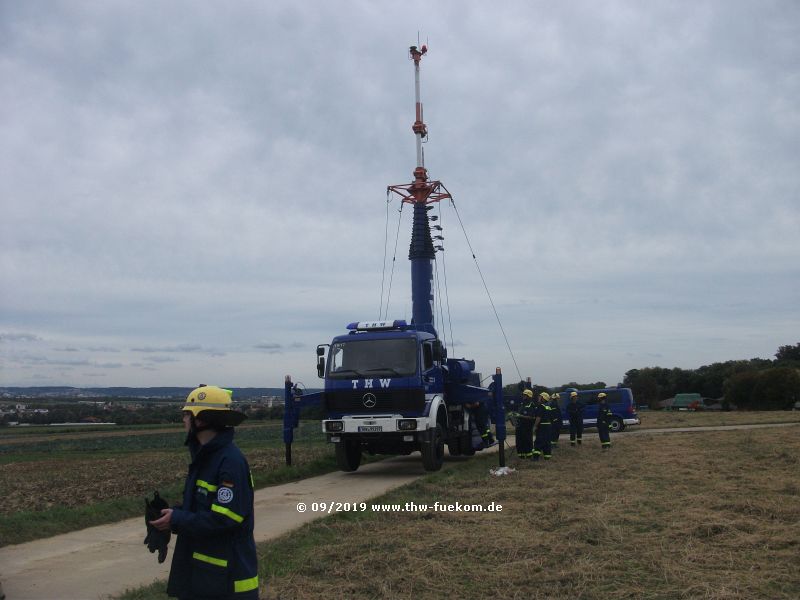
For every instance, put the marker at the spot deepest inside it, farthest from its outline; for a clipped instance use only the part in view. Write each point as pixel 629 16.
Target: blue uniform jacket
pixel 543 412
pixel 528 409
pixel 575 411
pixel 215 553
pixel 555 413
pixel 604 414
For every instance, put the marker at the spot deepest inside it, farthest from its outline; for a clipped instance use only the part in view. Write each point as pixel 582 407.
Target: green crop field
pixel 56 483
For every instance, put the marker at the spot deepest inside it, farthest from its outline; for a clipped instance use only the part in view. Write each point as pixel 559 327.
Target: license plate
pixel 367 428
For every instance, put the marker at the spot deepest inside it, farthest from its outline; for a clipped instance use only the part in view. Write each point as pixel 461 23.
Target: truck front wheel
pixel 348 455
pixel 433 450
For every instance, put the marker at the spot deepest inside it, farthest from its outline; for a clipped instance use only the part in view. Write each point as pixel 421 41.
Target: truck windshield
pixel 373 358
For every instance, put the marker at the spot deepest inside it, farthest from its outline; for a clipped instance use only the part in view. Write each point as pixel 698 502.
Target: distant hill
pixel 179 393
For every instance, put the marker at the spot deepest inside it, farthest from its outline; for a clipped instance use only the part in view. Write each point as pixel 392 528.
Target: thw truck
pixel 389 386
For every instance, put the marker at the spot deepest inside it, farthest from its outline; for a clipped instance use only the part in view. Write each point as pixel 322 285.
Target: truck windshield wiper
pixel 347 371
pixel 390 369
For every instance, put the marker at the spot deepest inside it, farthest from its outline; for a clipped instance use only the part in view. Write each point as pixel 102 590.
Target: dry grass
pixel 658 418
pixel 715 515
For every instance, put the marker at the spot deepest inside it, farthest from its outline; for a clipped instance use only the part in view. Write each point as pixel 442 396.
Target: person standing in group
pixel 555 423
pixel 542 446
pixel 604 417
pixel 215 554
pixel 575 414
pixel 524 427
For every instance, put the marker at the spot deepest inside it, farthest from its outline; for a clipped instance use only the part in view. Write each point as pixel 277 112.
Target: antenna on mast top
pixel 421 190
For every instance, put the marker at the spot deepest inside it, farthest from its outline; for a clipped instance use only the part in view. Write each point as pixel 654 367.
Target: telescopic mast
pixel 420 194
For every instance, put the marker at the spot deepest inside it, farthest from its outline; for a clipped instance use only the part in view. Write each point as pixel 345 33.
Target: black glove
pixel 155 539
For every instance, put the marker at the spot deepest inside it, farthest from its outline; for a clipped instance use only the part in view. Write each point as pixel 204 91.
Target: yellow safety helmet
pixel 545 396
pixel 601 395
pixel 213 404
pixel 555 396
pixel 573 394
pixel 528 393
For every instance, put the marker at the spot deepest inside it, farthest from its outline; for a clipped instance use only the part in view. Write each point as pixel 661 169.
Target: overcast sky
pixel 196 191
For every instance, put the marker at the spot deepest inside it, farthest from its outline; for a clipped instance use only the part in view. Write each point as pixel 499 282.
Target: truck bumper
pixel 371 425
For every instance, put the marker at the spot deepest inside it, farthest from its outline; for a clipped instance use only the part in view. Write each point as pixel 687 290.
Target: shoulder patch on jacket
pixel 224 495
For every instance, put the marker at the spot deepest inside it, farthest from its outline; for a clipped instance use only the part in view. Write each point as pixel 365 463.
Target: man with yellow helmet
pixel 524 428
pixel 575 414
pixel 215 554
pixel 542 446
pixel 604 417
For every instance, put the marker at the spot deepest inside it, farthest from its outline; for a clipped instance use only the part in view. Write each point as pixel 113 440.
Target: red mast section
pixel 422 190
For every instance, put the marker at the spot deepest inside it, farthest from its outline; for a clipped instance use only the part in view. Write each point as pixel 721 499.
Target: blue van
pixel 620 401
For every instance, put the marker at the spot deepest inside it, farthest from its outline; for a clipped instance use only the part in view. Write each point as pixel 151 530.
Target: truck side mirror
pixel 321 367
pixel 320 350
pixel 439 353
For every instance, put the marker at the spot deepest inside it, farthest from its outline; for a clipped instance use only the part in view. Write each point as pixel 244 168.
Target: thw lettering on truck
pixel 368 383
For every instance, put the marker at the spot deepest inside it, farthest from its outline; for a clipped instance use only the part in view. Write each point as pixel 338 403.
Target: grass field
pixel 62 482
pixel 57 480
pixel 652 419
pixel 685 515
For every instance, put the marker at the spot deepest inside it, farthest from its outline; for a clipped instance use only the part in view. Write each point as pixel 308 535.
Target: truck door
pixel 431 373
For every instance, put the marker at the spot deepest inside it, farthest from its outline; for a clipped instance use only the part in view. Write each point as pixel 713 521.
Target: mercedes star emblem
pixel 369 400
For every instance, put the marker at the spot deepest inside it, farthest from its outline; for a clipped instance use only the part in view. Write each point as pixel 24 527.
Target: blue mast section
pixel 421 253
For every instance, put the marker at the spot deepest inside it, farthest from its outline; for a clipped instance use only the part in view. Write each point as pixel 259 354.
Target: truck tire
pixel 348 455
pixel 454 445
pixel 433 450
pixel 466 445
pixel 616 425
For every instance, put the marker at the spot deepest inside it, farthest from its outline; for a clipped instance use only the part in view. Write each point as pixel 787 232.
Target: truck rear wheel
pixel 433 451
pixel 348 455
pixel 616 425
pixel 457 443
pixel 454 446
pixel 466 444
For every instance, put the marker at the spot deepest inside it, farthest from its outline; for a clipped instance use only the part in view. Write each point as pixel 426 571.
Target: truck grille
pixel 386 401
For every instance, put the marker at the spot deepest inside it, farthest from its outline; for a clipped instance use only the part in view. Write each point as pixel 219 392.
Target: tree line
pixel 752 384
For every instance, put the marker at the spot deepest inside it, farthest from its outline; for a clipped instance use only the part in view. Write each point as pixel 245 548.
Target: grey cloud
pixel 179 348
pixel 161 359
pixel 42 360
pixel 271 348
pixel 19 337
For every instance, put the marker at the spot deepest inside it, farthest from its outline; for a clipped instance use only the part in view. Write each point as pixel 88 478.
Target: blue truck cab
pixel 390 389
pixel 620 401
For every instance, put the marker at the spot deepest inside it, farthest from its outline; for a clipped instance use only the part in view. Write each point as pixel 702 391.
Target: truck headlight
pixel 334 426
pixel 406 424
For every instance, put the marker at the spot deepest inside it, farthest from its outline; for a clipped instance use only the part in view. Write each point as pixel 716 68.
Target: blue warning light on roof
pixel 377 325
